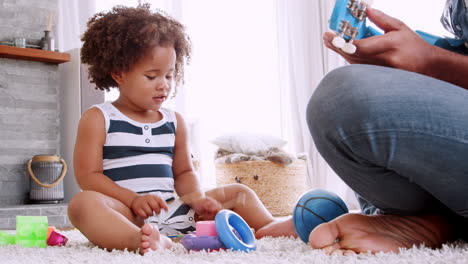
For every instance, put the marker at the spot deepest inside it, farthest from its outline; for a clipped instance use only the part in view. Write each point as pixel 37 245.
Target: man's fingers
pixel 374 45
pixel 384 21
pixel 351 58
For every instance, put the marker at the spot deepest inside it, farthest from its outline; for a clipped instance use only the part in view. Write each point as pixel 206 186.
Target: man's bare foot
pixel 279 227
pixel 356 233
pixel 151 239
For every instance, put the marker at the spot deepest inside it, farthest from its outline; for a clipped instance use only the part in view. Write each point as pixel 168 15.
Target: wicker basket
pixel 277 186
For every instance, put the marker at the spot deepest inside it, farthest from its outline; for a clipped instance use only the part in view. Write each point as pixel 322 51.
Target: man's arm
pixel 400 47
pixel 450 67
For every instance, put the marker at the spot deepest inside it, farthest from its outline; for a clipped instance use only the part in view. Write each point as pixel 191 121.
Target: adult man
pixel 394 126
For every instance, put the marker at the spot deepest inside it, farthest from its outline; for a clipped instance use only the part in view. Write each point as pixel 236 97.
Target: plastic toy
pixel 348 20
pixel 202 240
pixel 31 231
pixel 7 239
pixel 314 208
pixel 228 230
pixel 56 239
pixel 50 229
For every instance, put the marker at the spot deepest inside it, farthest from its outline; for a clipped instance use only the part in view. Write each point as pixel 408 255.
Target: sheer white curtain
pixel 231 84
pixel 303 62
pixel 72 18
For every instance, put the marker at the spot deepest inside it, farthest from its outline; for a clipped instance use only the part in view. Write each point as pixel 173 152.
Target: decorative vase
pixel 47 42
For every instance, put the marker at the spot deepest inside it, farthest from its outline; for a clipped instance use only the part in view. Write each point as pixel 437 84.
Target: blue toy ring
pixel 227 222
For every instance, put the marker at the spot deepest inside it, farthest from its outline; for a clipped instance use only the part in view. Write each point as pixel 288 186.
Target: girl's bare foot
pixel 356 233
pixel 279 227
pixel 151 239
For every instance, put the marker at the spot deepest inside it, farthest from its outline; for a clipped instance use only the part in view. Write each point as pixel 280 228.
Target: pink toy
pixel 204 238
pixel 56 239
pixel 206 228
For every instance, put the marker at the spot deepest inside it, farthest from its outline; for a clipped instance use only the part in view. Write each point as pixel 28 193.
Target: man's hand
pixel 206 207
pixel 145 205
pixel 400 47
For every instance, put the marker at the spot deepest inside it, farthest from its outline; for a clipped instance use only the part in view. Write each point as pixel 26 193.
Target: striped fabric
pixel 138 156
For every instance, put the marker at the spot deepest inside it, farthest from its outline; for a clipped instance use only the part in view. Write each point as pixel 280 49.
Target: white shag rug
pixel 269 250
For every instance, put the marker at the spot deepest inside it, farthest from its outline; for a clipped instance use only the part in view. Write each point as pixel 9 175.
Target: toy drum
pixel 47 172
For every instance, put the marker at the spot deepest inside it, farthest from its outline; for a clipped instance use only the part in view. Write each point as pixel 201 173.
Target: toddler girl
pixel 131 156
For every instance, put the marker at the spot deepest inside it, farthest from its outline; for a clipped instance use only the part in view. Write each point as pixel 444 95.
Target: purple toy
pixel 228 230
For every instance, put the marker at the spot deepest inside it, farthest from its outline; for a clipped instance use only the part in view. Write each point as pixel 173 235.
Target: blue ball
pixel 314 208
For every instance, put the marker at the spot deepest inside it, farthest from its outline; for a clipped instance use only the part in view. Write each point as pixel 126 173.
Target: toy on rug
pixel 227 231
pixel 33 231
pixel 7 239
pixel 314 208
pixel 54 238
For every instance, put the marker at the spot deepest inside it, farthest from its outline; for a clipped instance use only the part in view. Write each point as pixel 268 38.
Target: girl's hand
pixel 206 207
pixel 145 205
pixel 400 47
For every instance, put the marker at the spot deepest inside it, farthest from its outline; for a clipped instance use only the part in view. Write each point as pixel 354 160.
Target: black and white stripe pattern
pixel 138 156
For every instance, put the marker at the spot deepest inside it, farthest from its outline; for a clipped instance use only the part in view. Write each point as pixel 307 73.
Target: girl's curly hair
pixel 116 40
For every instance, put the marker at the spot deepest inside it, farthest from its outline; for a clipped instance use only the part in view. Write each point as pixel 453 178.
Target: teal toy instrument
pixel 348 21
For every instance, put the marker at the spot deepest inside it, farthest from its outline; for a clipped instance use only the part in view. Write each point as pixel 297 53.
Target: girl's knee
pixel 80 202
pixel 241 188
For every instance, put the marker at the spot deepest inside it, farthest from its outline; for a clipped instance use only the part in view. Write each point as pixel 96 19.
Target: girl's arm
pixel 87 159
pixel 185 180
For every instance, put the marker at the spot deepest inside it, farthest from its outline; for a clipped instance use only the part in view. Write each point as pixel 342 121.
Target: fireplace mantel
pixel 33 54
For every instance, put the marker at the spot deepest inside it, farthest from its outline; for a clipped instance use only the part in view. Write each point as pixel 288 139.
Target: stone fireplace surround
pixel 29 113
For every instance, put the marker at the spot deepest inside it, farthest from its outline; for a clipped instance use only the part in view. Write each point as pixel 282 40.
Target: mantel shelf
pixel 33 54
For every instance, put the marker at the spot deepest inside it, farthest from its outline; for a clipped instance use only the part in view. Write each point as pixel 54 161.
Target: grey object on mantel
pixel 47 42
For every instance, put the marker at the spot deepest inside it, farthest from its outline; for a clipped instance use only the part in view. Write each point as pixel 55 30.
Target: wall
pixel 29 99
pixel 77 95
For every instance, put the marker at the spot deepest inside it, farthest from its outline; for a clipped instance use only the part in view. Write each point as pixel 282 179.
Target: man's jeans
pixel 398 139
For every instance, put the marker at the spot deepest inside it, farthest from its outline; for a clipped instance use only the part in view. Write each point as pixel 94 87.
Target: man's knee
pixel 332 101
pixel 343 97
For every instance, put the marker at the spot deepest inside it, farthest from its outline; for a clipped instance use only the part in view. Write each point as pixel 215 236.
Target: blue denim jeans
pixel 397 138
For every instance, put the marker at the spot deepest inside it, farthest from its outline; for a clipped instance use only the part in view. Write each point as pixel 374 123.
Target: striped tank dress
pixel 138 156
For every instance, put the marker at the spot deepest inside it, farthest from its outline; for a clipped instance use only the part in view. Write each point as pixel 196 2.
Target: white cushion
pixel 248 143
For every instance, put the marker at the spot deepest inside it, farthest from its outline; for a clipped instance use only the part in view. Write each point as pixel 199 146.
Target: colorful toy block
pixel 7 239
pixel 31 231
